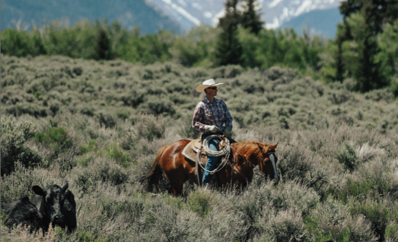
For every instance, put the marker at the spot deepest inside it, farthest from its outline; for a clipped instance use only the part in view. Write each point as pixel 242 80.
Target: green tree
pixel 251 19
pixel 249 43
pixel 195 48
pixel 228 48
pixel 388 43
pixel 20 43
pixel 37 46
pixel 78 41
pixel 103 45
pixel 14 136
pixel 363 22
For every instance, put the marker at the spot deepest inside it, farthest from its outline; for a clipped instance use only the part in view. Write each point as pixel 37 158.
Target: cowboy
pixel 211 116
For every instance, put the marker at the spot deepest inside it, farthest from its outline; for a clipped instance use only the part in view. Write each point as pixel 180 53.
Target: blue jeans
pixel 211 161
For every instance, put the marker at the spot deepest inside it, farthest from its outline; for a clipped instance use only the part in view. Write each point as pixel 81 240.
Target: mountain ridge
pixel 176 15
pixel 42 12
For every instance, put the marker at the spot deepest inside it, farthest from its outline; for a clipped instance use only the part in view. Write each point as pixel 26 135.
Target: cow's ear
pixel 65 187
pixel 38 190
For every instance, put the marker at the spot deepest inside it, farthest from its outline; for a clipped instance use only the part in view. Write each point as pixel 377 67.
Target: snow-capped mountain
pixel 275 13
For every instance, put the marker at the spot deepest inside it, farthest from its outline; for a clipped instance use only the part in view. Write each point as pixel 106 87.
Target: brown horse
pixel 238 171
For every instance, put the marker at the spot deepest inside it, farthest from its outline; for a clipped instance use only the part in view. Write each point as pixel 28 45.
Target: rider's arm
pixel 198 119
pixel 228 121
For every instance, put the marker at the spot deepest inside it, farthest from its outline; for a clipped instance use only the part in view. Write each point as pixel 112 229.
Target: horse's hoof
pixel 275 182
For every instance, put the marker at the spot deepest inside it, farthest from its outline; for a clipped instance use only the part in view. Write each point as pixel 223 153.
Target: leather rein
pixel 233 166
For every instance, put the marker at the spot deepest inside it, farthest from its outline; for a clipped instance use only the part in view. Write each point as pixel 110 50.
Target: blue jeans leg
pixel 211 162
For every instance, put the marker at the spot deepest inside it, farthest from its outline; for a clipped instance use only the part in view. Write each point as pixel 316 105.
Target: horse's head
pixel 267 161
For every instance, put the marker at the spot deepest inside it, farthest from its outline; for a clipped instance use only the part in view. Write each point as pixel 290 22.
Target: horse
pixel 238 172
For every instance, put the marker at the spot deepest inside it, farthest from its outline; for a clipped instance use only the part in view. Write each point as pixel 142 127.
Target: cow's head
pixel 52 203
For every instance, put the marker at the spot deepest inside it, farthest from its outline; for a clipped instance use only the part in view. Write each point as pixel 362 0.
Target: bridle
pixel 271 155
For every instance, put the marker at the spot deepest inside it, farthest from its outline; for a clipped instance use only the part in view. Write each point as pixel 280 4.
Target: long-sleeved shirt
pixel 207 113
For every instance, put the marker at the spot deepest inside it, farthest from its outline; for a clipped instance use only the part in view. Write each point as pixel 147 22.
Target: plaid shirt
pixel 207 113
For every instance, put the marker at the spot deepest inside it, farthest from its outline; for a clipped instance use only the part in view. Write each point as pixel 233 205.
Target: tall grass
pixel 99 125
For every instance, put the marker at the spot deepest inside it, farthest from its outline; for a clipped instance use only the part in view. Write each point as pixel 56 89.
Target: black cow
pixel 57 205
pixel 22 212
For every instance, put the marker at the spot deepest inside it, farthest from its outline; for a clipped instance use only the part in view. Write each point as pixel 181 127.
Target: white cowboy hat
pixel 206 84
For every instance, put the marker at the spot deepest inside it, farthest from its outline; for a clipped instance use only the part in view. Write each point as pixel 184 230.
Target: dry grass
pixel 337 152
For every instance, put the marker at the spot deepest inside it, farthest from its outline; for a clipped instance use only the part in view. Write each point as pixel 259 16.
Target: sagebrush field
pixel 99 124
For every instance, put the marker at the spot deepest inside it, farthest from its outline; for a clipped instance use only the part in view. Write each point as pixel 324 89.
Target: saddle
pixel 192 148
pixel 191 151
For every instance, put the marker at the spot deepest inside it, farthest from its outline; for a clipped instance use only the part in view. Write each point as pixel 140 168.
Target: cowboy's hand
pixel 228 132
pixel 213 129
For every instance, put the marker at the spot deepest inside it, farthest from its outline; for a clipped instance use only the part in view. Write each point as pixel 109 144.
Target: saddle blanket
pixel 191 151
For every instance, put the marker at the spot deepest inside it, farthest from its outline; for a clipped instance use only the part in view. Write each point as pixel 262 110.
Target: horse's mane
pixel 250 148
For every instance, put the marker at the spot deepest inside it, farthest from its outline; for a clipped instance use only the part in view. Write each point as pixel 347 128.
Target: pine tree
pixel 251 20
pixel 228 48
pixel 367 69
pixel 103 45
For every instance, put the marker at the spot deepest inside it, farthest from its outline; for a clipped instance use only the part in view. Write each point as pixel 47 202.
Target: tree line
pixel 364 49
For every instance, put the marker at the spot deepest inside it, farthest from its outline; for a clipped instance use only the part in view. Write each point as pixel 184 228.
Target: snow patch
pixel 182 2
pixel 305 6
pixel 273 25
pixel 207 14
pixel 274 3
pixel 197 6
pixel 183 12
pixel 217 16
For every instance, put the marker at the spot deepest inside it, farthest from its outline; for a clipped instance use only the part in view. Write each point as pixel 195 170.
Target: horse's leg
pixel 177 183
pixel 176 176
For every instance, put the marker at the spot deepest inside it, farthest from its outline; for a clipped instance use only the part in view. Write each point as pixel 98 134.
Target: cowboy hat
pixel 206 84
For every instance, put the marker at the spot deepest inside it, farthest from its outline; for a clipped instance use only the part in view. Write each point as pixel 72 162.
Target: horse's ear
pixel 65 187
pixel 38 190
pixel 272 147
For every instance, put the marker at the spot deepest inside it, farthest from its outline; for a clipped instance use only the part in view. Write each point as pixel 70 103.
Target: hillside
pixel 99 125
pixel 180 16
pixel 39 13
pixel 321 22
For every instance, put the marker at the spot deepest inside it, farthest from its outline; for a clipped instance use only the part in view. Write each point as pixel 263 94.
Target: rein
pixel 271 156
pixel 225 159
pixel 222 152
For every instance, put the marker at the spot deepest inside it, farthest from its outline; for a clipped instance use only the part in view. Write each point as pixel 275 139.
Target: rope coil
pixel 225 151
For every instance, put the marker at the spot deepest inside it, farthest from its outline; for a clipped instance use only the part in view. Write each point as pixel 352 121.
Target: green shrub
pixel 17 184
pixel 22 108
pixel 99 170
pixel 377 213
pixel 132 208
pixel 14 136
pixel 300 165
pixel 56 138
pixel 85 159
pixel 114 152
pixel 260 205
pixel 228 71
pixel 123 114
pixel 331 219
pixel 199 202
pixel 107 120
pixel 284 226
pixel 348 158
pixel 91 146
pixel 149 126
pixel 394 87
pixel 160 106
pixel 391 233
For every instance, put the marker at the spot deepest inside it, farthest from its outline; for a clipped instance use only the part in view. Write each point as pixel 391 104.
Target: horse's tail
pixel 155 174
